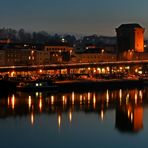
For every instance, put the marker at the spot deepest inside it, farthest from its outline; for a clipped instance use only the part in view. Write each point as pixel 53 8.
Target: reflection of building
pixel 129 118
pixel 130 39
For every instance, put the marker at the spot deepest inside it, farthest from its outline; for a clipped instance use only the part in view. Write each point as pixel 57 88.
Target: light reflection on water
pixel 107 118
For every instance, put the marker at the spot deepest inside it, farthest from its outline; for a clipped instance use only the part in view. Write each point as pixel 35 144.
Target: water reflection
pixel 128 105
pixel 129 118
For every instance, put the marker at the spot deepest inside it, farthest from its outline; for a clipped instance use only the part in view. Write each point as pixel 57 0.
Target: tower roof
pixel 129 26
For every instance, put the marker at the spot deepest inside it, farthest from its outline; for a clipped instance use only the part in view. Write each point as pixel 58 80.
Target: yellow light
pixel 70 116
pixel 136 70
pixel 59 121
pixel 29 101
pixel 80 99
pixel 8 101
pixel 140 72
pixel 94 70
pixel 120 96
pixel 127 98
pixel 36 94
pixel 128 113
pixel 127 67
pixel 102 114
pixel 73 97
pixel 40 104
pixel 102 51
pixel 107 98
pixel 52 100
pixel 12 74
pixel 13 101
pixel 88 68
pixel 131 117
pixel 32 118
pixel 41 71
pixel 99 69
pixel 88 97
pixel 108 69
pixel 64 100
pixel 140 94
pixel 94 101
pixel 103 70
pixel 120 93
pixel 136 97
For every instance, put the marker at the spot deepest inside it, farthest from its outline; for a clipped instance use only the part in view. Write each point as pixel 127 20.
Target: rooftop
pixel 129 26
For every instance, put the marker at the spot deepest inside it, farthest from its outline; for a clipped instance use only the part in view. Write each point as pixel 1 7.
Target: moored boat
pixel 36 85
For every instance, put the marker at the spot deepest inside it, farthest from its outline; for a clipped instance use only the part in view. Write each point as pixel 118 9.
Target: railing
pixel 70 65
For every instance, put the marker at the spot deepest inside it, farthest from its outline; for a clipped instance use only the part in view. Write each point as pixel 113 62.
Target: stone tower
pixel 130 39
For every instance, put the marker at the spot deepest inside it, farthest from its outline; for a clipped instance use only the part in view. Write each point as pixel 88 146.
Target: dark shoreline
pixel 80 85
pixel 100 84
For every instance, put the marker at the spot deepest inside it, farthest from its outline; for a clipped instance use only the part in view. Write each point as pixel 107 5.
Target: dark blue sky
pixel 99 17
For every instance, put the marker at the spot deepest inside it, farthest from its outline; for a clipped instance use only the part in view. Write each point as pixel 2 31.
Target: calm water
pixel 109 118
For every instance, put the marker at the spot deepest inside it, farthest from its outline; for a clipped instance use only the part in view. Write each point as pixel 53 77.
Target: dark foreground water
pixel 95 119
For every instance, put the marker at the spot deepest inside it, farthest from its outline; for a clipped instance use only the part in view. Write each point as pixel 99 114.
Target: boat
pixel 35 85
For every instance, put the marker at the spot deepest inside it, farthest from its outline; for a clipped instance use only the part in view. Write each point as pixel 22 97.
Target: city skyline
pixel 76 17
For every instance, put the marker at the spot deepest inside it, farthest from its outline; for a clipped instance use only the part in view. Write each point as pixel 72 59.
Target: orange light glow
pixel 88 97
pixel 102 114
pixel 64 100
pixel 40 104
pixel 107 97
pixel 70 116
pixel 59 121
pixel 41 71
pixel 12 74
pixel 136 97
pixel 73 97
pixel 32 118
pixel 81 99
pixel 94 101
pixel 8 101
pixel 29 101
pixel 52 100
pixel 13 101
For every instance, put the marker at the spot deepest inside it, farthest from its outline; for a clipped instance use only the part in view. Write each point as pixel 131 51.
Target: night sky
pixel 99 17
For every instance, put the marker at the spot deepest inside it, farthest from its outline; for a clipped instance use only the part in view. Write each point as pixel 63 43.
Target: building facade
pixel 58 54
pixel 130 39
pixel 2 58
pixel 93 57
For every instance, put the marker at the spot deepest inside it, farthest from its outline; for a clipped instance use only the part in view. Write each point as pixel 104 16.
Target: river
pixel 85 119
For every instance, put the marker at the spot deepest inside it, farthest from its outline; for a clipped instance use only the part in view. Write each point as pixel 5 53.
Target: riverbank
pixel 78 84
pixel 92 84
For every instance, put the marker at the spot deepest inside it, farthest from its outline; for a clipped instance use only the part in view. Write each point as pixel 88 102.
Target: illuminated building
pixel 94 57
pixel 2 59
pixel 130 39
pixel 5 41
pixel 59 53
pixel 14 56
